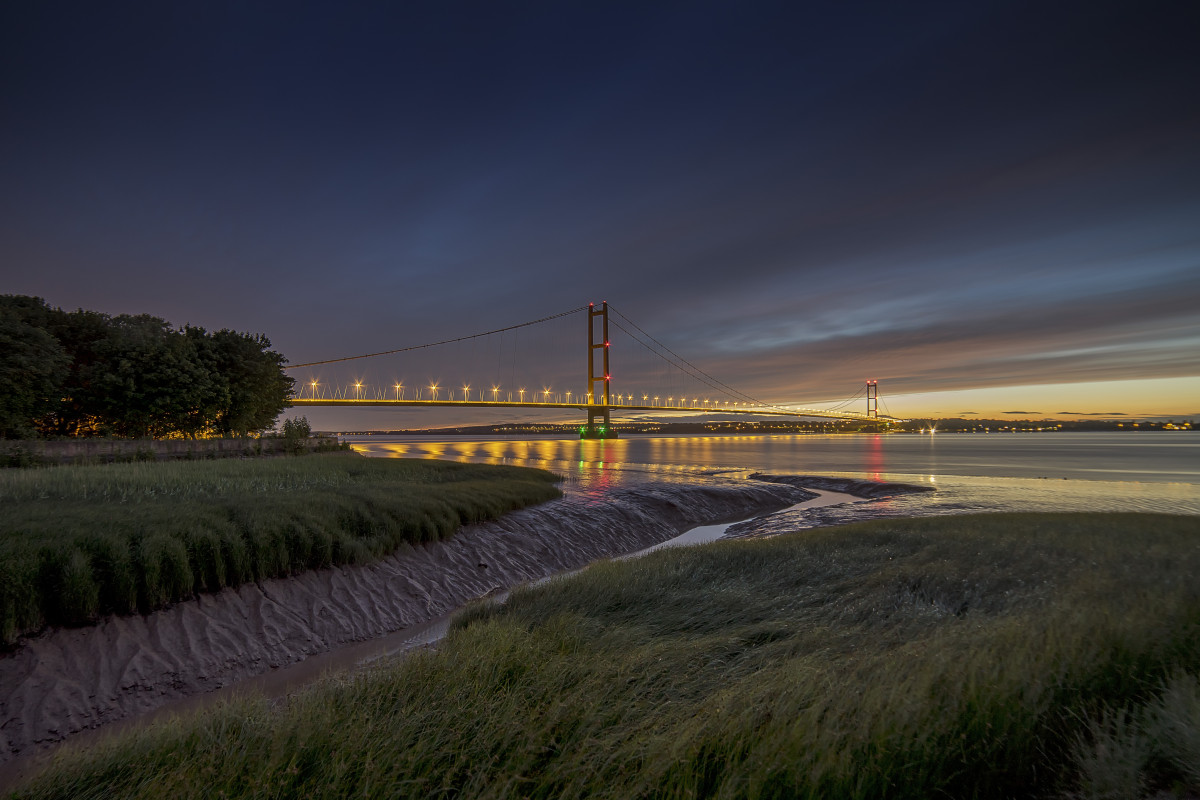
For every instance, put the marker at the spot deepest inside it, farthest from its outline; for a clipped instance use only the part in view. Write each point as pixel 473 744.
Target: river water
pixel 1052 471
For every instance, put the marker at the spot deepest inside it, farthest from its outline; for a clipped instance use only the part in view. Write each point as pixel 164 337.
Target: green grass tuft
pixel 82 541
pixel 971 657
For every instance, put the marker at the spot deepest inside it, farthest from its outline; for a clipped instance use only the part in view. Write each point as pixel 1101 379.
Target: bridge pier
pixel 603 430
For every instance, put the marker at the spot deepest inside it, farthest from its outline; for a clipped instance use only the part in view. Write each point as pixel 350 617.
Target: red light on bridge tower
pixel 598 402
pixel 873 399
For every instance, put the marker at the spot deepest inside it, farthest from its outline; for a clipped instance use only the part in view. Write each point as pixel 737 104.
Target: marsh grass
pixel 965 657
pixel 1126 749
pixel 81 541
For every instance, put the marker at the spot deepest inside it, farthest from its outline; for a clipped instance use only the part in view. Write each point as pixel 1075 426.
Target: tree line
pixel 84 373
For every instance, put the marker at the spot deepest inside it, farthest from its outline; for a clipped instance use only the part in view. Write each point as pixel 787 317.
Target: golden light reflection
pixel 391 449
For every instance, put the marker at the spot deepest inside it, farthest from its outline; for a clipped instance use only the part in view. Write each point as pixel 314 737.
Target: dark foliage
pixel 83 373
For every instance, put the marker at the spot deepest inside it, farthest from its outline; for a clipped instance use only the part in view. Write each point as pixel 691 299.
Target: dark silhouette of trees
pixel 249 389
pixel 33 365
pixel 83 373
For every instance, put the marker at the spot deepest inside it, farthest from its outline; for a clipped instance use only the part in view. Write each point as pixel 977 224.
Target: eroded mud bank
pixel 67 680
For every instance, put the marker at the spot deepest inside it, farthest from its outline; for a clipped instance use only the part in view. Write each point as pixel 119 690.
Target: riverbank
pixel 81 542
pixel 52 452
pixel 68 680
pixel 988 656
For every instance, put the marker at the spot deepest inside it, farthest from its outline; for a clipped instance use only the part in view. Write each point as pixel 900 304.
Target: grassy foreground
pixel 80 541
pixel 968 657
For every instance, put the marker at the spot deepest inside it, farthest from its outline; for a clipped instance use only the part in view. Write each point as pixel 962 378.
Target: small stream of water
pixel 702 534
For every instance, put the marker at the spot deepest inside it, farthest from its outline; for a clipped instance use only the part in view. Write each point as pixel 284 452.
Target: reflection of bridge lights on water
pixel 874 461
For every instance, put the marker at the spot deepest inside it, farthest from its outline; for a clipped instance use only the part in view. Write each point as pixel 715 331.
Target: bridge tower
pixel 598 402
pixel 873 399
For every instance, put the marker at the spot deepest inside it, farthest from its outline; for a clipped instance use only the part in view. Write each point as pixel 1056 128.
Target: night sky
pixel 955 199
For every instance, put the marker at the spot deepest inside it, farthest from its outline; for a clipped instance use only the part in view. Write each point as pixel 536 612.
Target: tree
pixel 85 373
pixel 81 335
pixel 256 387
pixel 295 433
pixel 149 381
pixel 33 366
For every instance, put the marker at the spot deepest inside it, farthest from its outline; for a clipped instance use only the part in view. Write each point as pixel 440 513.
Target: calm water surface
pixel 1129 471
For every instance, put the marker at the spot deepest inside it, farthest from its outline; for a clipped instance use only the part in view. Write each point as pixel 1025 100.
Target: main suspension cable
pixel 845 403
pixel 435 344
pixel 699 377
pixel 681 363
pixel 691 369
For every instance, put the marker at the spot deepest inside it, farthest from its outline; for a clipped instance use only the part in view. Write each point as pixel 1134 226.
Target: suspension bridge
pixel 704 395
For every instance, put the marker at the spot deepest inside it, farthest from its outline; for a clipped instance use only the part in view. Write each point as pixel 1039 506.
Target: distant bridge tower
pixel 598 402
pixel 873 399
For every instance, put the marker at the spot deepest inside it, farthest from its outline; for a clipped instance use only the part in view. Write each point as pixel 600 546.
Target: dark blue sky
pixel 942 196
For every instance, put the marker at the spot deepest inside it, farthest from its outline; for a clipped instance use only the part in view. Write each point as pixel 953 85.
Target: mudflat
pixel 67 680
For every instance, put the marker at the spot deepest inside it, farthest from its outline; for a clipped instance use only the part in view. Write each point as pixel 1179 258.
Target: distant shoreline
pixel 920 427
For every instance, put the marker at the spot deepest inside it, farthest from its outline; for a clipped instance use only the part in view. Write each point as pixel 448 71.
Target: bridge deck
pixel 806 412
